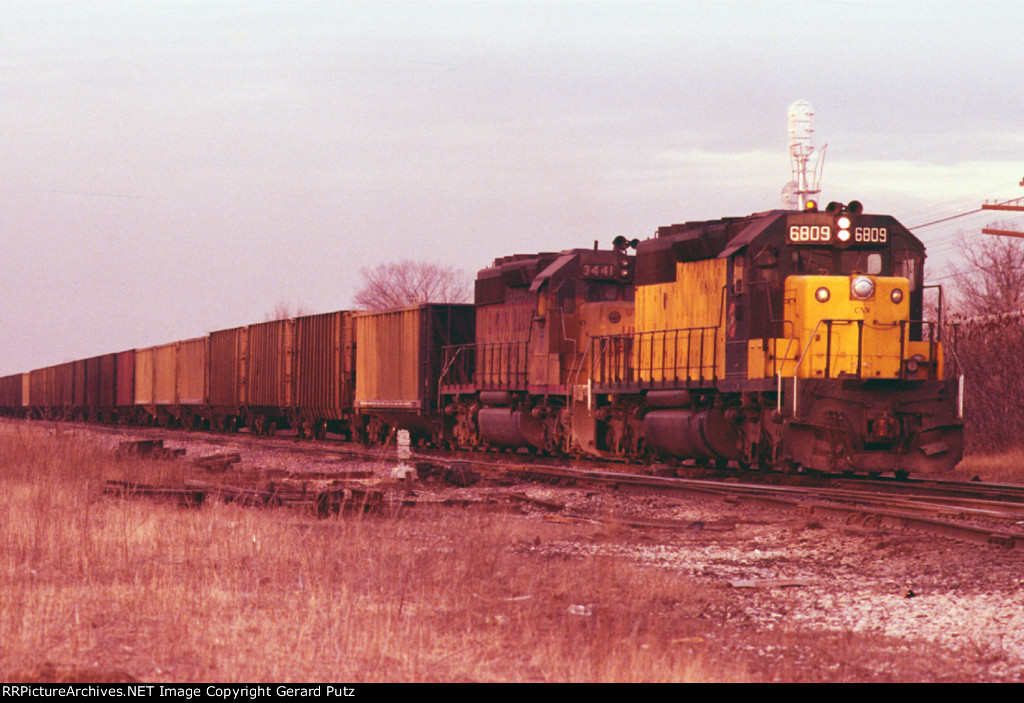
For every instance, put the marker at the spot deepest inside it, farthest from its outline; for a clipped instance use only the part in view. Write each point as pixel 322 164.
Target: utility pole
pixel 1009 206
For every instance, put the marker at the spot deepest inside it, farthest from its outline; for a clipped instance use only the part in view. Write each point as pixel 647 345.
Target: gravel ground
pixel 784 577
pixel 797 574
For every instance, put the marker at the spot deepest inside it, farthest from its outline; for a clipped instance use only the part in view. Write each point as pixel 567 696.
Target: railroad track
pixel 970 511
pixel 979 521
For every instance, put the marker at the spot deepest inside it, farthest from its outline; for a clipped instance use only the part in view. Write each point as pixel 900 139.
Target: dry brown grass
pixel 1001 467
pixel 95 588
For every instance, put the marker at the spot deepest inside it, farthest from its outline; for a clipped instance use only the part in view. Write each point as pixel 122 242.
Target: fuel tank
pixel 692 434
pixel 506 427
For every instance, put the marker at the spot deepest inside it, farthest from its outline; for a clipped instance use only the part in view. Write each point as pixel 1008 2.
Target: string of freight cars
pixel 784 338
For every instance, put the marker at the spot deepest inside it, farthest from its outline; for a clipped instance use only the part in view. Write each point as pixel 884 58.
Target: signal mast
pixel 801 187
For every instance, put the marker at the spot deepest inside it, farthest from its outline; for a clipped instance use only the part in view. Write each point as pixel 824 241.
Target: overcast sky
pixel 169 169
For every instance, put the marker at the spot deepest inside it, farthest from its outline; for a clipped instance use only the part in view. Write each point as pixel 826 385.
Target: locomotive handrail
pixel 958 372
pixel 796 371
pixel 937 286
pixel 775 324
pixel 901 324
pixel 621 348
pixel 493 364
pixel 444 369
pixel 451 353
pixel 952 346
pixel 575 375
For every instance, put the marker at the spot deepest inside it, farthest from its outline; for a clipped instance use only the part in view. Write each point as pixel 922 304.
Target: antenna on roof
pixel 797 192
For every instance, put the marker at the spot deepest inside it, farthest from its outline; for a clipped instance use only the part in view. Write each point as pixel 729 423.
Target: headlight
pixel 914 362
pixel 862 288
pixel 896 295
pixel 843 235
pixel 843 222
pixel 822 295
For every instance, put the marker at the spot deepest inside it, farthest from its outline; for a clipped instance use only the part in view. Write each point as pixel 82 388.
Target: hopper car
pixel 788 339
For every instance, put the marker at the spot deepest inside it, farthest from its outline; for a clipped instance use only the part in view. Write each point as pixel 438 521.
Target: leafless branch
pixel 283 310
pixel 409 282
pixel 989 276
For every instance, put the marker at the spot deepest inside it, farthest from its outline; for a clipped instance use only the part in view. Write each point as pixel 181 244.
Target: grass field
pixel 97 588
pixel 1003 467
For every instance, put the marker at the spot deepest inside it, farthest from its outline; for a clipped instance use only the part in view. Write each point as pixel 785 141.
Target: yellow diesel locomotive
pixel 785 339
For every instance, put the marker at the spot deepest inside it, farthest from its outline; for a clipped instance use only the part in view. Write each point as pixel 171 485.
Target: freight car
pixel 293 373
pixel 14 399
pixel 171 383
pixel 399 364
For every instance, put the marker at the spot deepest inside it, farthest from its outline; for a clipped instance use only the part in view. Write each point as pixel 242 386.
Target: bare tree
pixel 988 286
pixel 984 350
pixel 411 282
pixel 989 277
pixel 283 311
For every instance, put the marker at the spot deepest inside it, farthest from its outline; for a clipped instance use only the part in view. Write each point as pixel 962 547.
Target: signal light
pixel 822 295
pixel 811 206
pixel 896 296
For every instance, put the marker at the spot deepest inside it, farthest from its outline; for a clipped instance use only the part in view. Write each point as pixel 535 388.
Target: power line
pixel 944 219
pixel 1007 206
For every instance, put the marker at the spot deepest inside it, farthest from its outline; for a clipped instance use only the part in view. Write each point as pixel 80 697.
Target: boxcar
pixel 14 394
pixel 323 364
pixel 227 371
pixel 399 362
pixel 268 375
pixel 170 382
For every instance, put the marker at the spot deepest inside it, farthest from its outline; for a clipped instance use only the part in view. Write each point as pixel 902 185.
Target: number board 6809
pixel 810 234
pixel 871 235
